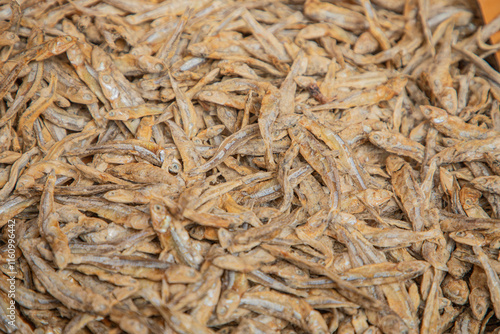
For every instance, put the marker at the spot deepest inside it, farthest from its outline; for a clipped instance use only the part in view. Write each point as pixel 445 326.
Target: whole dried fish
pixel 249 167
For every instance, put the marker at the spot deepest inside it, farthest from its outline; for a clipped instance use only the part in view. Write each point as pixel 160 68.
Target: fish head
pixel 469 197
pixel 393 164
pixel 160 216
pixel 228 303
pixel 61 44
pixel 379 138
pixel 377 197
pixel 432 112
pixel 470 238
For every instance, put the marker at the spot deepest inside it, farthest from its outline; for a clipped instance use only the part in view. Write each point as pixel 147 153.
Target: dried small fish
pixel 49 225
pixel 268 114
pixel 467 151
pixel 397 144
pixel 65 290
pixel 345 18
pixel 297 311
pixel 227 147
pixel 453 126
pixel 407 188
pixel 249 167
pixel 492 278
pixel 322 163
pixel 487 183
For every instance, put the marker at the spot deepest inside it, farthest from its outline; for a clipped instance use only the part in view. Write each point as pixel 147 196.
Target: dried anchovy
pixel 249 167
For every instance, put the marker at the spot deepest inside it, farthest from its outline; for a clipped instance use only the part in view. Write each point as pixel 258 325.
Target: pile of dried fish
pixel 248 167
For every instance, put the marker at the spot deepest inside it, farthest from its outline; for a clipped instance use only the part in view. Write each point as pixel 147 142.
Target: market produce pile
pixel 249 167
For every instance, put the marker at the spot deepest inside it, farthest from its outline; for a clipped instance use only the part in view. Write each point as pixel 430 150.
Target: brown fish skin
pixel 190 157
pixel 438 77
pixel 456 290
pixel 121 214
pixel 397 144
pixel 41 52
pixel 227 147
pixel 49 225
pixel 336 142
pixel 384 92
pixel 186 110
pixel 492 279
pixel 311 151
pixel 493 162
pixel 294 310
pixel 15 171
pixel 408 190
pixel 268 114
pixel 124 147
pixel 142 172
pixel 326 12
pixel 453 126
pixel 29 298
pixel 26 91
pixel 467 151
pixel 68 292
pixel 487 183
pixel 465 323
pixel 349 291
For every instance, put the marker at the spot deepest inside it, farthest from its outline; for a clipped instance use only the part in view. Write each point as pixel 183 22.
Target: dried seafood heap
pixel 249 167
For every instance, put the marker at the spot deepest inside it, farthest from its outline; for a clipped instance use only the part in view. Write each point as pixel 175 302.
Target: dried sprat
pixel 408 190
pixel 397 144
pixel 62 288
pixel 227 147
pixel 467 151
pixel 49 225
pixel 453 126
pixel 249 167
pixel 438 77
pixel 320 160
pixel 267 115
pixel 487 183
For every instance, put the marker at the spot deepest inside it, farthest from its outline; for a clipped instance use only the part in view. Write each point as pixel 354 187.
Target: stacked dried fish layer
pixel 248 167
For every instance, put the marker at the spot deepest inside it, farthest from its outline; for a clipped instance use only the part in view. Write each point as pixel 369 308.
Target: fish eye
pixel 159 67
pixel 376 137
pixel 157 207
pixel 174 168
pixel 111 113
pixel 460 234
pixel 106 78
pixel 68 38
